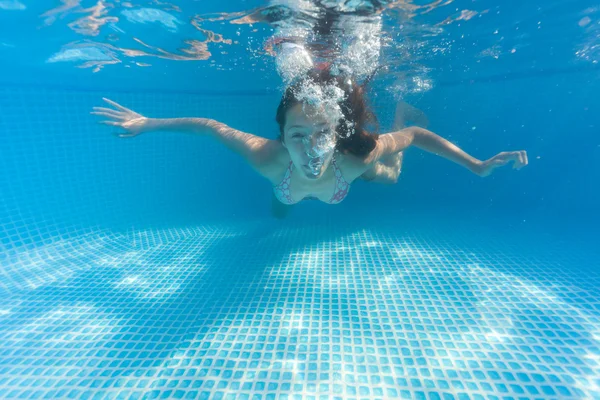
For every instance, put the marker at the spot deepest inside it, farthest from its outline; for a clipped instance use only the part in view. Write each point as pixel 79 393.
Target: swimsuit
pixel 282 190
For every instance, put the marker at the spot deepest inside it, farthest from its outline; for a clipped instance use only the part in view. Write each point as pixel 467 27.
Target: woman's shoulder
pixel 351 166
pixel 278 161
pixel 352 160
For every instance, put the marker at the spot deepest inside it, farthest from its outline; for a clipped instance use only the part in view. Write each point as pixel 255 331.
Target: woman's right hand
pixel 518 158
pixel 132 122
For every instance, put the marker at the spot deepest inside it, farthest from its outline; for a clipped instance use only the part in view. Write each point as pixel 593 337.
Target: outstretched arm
pixel 386 170
pixel 392 143
pixel 254 149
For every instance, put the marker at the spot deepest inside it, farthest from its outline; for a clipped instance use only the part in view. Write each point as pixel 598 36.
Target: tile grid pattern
pixel 63 175
pixel 250 311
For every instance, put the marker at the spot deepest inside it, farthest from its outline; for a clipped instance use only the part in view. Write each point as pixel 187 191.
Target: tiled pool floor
pixel 284 311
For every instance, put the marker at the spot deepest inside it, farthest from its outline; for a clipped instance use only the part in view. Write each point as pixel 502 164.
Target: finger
pixel 521 161
pixel 122 135
pixel 111 123
pixel 116 105
pixel 110 113
pixel 106 109
pixel 104 114
pixel 525 157
pixel 517 162
pixel 110 110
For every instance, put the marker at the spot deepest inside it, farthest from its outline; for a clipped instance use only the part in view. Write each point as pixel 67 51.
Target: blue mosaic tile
pixel 383 314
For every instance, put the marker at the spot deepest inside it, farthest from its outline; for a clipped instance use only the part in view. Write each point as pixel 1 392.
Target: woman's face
pixel 309 136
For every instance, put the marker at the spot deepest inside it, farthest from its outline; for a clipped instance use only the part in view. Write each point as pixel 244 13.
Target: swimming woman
pixel 323 145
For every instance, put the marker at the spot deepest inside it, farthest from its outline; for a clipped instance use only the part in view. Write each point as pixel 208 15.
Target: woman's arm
pixel 394 142
pixel 380 173
pixel 386 170
pixel 254 149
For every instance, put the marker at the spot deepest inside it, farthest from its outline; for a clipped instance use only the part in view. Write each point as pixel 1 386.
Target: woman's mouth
pixel 315 165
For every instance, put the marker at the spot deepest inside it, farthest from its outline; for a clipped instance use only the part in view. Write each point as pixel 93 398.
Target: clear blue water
pixel 152 267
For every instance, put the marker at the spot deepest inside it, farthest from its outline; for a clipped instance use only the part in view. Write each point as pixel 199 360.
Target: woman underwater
pixel 323 144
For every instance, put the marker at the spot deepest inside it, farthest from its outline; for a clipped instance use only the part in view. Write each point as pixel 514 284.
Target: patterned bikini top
pixel 282 190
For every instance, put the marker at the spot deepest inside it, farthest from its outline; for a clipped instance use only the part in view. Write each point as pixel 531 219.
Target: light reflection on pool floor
pixel 248 312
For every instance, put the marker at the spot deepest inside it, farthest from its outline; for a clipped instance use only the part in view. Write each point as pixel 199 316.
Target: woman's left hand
pixel 122 117
pixel 519 159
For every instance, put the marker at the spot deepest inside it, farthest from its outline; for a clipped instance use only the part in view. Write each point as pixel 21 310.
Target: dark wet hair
pixel 355 110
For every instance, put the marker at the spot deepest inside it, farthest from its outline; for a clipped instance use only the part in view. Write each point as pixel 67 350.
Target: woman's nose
pixel 311 145
pixel 311 152
pixel 314 141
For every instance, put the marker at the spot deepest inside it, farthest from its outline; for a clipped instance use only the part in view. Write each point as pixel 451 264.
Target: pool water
pixel 152 267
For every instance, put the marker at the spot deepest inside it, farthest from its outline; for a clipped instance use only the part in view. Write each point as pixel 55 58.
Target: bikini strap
pixel 336 168
pixel 284 186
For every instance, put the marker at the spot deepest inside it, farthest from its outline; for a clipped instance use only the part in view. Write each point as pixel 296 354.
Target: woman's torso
pixel 331 188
